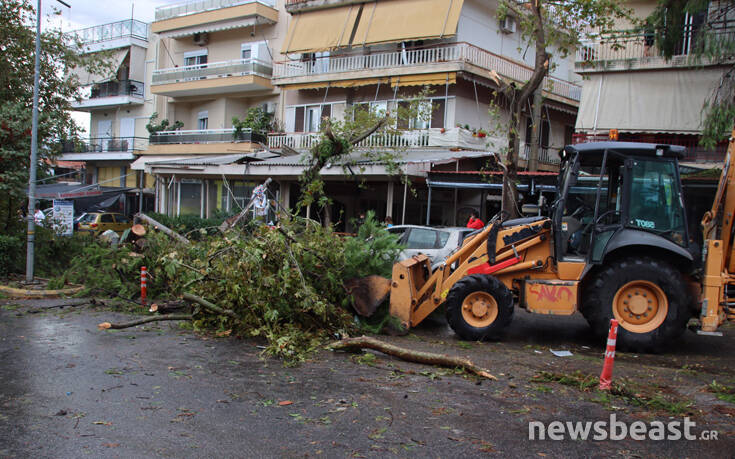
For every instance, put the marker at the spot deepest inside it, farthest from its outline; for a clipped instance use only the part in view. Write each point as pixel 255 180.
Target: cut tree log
pixel 138 230
pixel 409 355
pixel 211 306
pixel 145 320
pixel 165 229
pixel 167 306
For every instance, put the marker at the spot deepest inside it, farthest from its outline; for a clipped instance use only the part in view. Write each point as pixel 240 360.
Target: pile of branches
pixel 285 284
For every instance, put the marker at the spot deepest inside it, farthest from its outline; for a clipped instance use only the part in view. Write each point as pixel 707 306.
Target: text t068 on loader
pixel 616 246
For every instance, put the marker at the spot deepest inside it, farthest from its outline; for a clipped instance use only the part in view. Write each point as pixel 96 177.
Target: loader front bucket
pixel 368 293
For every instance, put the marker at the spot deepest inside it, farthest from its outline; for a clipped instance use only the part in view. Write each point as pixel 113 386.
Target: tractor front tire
pixel 648 297
pixel 479 307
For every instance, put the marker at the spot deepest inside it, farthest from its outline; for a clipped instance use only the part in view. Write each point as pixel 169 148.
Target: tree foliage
pixel 256 119
pixel 59 53
pixel 553 29
pixel 712 43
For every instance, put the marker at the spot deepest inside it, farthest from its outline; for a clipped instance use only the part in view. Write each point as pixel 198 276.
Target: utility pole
pixel 34 149
pixel 535 131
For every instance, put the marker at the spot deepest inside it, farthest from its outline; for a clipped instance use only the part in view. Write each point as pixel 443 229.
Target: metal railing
pixel 205 136
pixel 103 144
pixel 694 152
pixel 199 6
pixel 112 31
pixel 457 53
pixel 221 69
pixel 636 45
pixel 546 155
pixel 117 88
pixel 306 140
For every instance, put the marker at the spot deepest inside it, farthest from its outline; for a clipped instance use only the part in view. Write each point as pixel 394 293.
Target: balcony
pixel 695 152
pixel 190 17
pixel 631 50
pixel 430 60
pixel 204 141
pixel 236 76
pixel 112 94
pixel 101 148
pixel 113 35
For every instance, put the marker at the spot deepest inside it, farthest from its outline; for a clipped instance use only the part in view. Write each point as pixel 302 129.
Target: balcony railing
pixel 118 88
pixel 546 155
pixel 103 144
pixel 222 69
pixel 457 53
pixel 112 31
pixel 634 46
pixel 200 6
pixel 205 136
pixel 695 151
pixel 306 140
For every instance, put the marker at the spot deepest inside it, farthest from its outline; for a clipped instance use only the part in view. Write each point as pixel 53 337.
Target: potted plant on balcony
pixel 256 120
pixel 154 126
pixel 481 133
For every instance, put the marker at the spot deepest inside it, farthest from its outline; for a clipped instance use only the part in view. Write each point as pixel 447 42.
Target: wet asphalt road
pixel 70 390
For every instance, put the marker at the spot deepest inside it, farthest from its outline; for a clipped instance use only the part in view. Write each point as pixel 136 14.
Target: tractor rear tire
pixel 648 297
pixel 479 307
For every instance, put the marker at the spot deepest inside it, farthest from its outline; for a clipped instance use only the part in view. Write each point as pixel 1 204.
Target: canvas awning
pixel 424 79
pixel 402 20
pixel 87 78
pixel 667 101
pixel 372 23
pixel 320 30
pixel 354 83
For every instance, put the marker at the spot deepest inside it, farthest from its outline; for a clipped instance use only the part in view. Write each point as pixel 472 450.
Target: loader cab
pixel 613 194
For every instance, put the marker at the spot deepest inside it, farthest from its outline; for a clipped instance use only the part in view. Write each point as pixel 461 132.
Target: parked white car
pixel 436 243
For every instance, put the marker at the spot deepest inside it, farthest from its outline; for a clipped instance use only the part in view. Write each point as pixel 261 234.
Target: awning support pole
pixel 405 192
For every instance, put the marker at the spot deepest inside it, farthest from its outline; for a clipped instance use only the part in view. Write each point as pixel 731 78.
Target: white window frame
pixel 203 115
pixel 290 112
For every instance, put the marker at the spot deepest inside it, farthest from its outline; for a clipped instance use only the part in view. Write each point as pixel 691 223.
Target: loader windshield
pixel 656 204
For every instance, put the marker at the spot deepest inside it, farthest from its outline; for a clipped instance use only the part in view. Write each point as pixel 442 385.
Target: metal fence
pixel 222 69
pixel 112 31
pixel 103 144
pixel 205 136
pixel 199 6
pixel 118 88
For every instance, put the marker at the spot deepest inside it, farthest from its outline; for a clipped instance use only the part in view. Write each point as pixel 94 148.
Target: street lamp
pixel 34 148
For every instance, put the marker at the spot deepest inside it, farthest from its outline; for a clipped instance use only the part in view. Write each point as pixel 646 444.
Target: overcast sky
pixel 87 13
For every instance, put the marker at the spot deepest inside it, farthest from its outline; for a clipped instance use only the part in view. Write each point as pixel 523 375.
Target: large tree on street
pixel 554 29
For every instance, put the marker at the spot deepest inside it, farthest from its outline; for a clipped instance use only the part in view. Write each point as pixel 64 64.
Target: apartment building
pixel 119 104
pixel 309 59
pixel 631 92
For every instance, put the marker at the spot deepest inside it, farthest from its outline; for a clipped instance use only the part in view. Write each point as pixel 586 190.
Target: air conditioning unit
pixel 269 107
pixel 508 24
pixel 201 38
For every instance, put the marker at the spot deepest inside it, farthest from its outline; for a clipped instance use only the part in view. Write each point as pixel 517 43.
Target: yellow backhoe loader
pixel 616 245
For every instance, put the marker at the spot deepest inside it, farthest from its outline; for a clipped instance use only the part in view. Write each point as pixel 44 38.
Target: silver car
pixel 436 243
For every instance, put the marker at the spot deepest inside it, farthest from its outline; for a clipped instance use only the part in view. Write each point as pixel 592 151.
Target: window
pixel 246 53
pixel 428 114
pixel 200 60
pixel 106 218
pixel 195 60
pixel 312 118
pixel 307 118
pixel 203 120
pixel 422 238
pixel 655 203
pixel 190 194
pixel 122 219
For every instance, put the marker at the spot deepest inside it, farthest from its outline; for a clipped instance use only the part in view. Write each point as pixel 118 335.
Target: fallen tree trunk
pixel 168 231
pixel 145 320
pixel 429 358
pixel 211 306
pixel 167 306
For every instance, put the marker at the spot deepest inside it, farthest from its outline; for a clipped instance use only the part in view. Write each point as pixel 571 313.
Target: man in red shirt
pixel 474 222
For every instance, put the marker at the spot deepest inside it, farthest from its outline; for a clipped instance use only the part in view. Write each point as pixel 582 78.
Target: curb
pixel 25 293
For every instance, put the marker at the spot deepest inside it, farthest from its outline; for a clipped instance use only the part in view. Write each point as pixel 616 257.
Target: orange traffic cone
pixel 607 368
pixel 143 285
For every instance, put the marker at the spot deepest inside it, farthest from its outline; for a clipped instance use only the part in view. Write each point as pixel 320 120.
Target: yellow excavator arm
pixel 719 259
